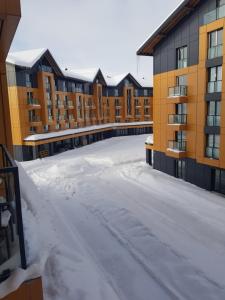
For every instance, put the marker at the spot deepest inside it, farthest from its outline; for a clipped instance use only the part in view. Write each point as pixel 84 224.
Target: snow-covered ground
pixel 105 226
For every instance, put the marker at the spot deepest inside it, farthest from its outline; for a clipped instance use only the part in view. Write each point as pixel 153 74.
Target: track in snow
pixel 146 235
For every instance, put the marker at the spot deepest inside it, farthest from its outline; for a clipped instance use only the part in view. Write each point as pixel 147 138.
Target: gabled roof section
pixel 185 8
pixel 29 58
pixel 82 74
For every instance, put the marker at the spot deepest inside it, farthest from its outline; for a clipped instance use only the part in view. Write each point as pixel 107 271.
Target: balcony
pixel 71 118
pixel 180 119
pixel 59 104
pixel 67 125
pixel 34 119
pixel 70 104
pixel 178 91
pixel 177 146
pixel 11 226
pixel 50 118
pixel 213 120
pixel 33 102
pixel 215 51
pixel 57 126
pixel 212 153
pixel 215 86
pixel 214 15
pixel 49 102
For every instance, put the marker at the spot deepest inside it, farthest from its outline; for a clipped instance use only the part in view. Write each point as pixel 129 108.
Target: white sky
pixel 92 33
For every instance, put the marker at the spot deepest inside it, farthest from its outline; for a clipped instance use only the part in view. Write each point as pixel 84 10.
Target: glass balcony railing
pixel 177 119
pixel 213 120
pixel 215 14
pixel 12 252
pixel 212 152
pixel 31 101
pixel 215 86
pixel 215 51
pixel 177 145
pixel 178 91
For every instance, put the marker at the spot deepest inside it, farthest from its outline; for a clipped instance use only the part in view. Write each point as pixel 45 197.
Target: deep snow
pixel 103 225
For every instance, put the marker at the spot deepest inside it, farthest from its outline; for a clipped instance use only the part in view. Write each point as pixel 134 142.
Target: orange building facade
pixel 49 107
pixel 189 94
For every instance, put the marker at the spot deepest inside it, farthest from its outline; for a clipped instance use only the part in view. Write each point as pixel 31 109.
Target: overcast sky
pixel 92 33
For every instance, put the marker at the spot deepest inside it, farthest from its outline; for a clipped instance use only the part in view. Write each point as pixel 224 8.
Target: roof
pixel 29 58
pixel 26 58
pixel 185 8
pixel 82 74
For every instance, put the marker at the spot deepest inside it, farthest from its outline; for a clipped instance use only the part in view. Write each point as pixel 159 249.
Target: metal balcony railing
pixel 215 51
pixel 213 120
pixel 177 145
pixel 215 86
pixel 31 101
pixel 12 250
pixel 177 119
pixel 178 91
pixel 212 152
pixel 215 14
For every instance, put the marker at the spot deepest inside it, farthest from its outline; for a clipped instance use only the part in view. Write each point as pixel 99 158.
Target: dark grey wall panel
pixel 186 33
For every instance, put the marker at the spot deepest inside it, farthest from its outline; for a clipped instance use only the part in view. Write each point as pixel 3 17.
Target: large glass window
pixel 219 184
pixel 215 79
pixel 214 111
pixel 215 41
pixel 182 57
pixel 212 146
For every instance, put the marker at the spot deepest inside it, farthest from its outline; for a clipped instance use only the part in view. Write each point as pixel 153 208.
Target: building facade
pixel 189 94
pixel 49 106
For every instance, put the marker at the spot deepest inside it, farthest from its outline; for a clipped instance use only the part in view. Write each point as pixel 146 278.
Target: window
pixel 181 80
pixel 116 93
pixel 219 183
pixel 181 109
pixel 146 102
pixel 28 80
pixel 182 57
pixel 136 101
pixel 33 129
pixel 214 110
pixel 220 3
pixel 215 79
pixel 117 112
pixel 128 102
pixel 181 169
pixel 117 102
pixel 145 93
pixel 146 111
pixel 215 41
pixel 212 146
pixel 137 112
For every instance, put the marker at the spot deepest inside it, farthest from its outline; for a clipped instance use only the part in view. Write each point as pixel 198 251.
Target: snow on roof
pixel 43 136
pixel 82 74
pixel 162 23
pixel 114 80
pixel 25 58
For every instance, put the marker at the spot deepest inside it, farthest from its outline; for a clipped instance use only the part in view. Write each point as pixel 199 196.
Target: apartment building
pixel 53 110
pixel 12 250
pixel 189 94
